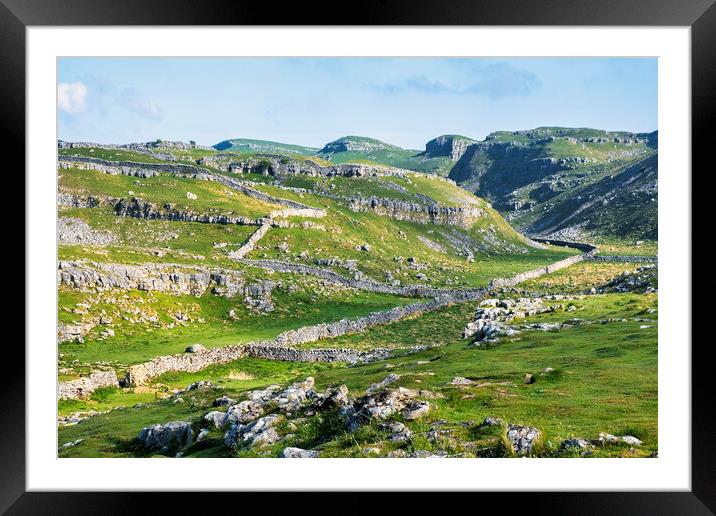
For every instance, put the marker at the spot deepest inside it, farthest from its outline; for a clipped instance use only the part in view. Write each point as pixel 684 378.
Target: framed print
pixel 439 233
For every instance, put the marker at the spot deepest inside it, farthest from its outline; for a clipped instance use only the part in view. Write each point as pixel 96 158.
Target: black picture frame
pixel 700 15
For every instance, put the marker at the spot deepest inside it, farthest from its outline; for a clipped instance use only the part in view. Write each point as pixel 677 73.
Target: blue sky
pixel 310 101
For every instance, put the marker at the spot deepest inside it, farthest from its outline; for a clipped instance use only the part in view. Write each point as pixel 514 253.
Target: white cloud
pixel 136 102
pixel 71 96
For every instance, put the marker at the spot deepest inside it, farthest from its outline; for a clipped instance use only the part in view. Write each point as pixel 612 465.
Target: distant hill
pixel 542 178
pixel 263 146
pixel 545 181
pixel 361 149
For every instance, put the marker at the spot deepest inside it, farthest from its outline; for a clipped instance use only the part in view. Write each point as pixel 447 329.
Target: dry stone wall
pixel 536 273
pixel 351 356
pixel 251 243
pixel 86 385
pixel 624 258
pixel 189 362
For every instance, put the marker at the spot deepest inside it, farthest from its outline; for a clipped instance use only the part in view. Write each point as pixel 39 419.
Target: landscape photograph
pixel 343 257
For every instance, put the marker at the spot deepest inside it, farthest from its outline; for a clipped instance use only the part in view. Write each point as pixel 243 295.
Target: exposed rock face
pixel 140 209
pixel 74 331
pixel 448 145
pixel 84 275
pixel 281 166
pixel 80 201
pixel 71 230
pixel 125 168
pixel 169 437
pixel 85 386
pixel 463 217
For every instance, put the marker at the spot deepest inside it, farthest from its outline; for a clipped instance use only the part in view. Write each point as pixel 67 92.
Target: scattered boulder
pixel 190 195
pixel 416 410
pixel 492 421
pixel 398 432
pixel 377 406
pixel 522 438
pixel 292 398
pixel 256 433
pixel 200 386
pixel 171 436
pixel 195 348
pixel 459 380
pixel 575 443
pixel 631 440
pixel 243 412
pixel 223 401
pixel 298 453
pixel 529 378
pixel 333 397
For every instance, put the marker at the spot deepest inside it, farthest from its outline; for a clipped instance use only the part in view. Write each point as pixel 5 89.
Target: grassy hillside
pixel 594 357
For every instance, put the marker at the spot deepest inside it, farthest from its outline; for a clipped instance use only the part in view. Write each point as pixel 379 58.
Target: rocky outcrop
pixel 108 167
pixel 84 275
pixel 132 168
pixel 74 332
pixel 166 438
pixel 85 201
pixel 350 144
pixel 448 145
pixel 141 209
pixel 71 230
pixel 282 166
pixel 83 387
pixel 298 212
pixel 463 217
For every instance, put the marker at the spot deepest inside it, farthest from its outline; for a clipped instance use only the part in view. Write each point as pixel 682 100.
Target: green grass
pixel 604 380
pixel 142 341
pixel 578 278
